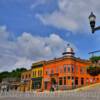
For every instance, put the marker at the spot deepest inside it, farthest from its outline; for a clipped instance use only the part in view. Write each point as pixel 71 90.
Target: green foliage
pixel 13 74
pixel 93 71
pixel 95 59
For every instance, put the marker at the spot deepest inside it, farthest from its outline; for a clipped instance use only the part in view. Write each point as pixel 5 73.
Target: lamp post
pixel 92 19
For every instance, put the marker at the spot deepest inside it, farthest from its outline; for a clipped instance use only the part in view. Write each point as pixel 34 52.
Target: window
pixel 52 71
pixel 26 76
pixel 76 68
pixel 72 78
pixel 76 81
pixel 68 77
pixel 82 70
pixel 69 68
pixel 22 76
pixel 29 75
pixel 60 81
pixel 72 68
pixel 64 68
pixel 40 72
pixel 64 80
pixel 97 79
pixel 57 70
pixel 82 81
pixel 46 72
pixel 33 73
pixel 61 70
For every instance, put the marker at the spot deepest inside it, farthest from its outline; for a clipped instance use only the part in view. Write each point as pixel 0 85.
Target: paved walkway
pixel 92 93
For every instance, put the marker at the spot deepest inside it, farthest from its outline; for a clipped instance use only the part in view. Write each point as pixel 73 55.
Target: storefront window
pixel 64 80
pixel 60 81
pixel 68 77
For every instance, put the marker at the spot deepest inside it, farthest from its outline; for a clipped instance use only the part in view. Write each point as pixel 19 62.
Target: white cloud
pixel 28 48
pixel 72 14
pixel 37 3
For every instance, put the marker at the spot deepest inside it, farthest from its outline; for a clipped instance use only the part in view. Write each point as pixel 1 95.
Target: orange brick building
pixel 67 72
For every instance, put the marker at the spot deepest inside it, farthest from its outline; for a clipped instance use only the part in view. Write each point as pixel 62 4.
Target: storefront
pixel 36 83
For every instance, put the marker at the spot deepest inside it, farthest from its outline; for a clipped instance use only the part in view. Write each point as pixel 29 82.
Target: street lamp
pixel 92 19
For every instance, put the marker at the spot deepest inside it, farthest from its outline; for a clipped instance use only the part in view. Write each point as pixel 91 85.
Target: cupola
pixel 69 51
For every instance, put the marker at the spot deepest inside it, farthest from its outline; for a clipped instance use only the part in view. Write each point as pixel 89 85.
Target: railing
pixel 93 94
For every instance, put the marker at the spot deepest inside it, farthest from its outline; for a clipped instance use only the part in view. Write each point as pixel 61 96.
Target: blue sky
pixel 32 30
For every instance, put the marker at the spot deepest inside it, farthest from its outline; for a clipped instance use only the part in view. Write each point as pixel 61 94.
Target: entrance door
pixel 53 81
pixel 76 81
pixel 82 81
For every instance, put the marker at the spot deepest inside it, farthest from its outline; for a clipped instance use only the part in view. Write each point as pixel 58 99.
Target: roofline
pixel 66 57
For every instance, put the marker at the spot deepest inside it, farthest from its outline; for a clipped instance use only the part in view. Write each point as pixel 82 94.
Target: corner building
pixel 67 72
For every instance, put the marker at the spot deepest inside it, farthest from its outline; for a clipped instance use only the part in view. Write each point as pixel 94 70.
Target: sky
pixel 34 30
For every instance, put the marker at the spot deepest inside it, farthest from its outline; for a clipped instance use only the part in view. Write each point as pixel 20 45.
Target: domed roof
pixel 69 51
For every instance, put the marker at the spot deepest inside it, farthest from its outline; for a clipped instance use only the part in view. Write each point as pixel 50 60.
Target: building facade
pixel 26 82
pixel 37 75
pixel 10 84
pixel 66 72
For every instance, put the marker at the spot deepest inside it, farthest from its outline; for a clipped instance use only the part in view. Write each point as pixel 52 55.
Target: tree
pixel 13 74
pixel 93 71
pixel 95 59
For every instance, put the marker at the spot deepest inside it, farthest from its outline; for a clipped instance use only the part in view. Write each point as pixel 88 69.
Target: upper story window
pixel 69 68
pixel 52 71
pixel 72 68
pixel 65 68
pixel 61 69
pixel 33 73
pixel 82 70
pixel 40 72
pixel 56 69
pixel 22 76
pixel 47 71
pixel 76 68
pixel 29 76
pixel 26 76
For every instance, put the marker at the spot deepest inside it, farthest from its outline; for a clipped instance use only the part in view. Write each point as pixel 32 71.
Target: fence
pixel 82 94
